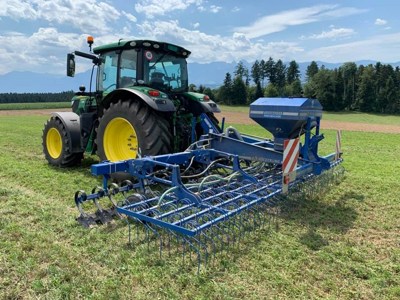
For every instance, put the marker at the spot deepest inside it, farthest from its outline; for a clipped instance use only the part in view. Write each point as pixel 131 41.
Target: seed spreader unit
pixel 223 183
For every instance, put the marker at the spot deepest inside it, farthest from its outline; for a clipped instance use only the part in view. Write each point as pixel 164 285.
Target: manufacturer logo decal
pixel 148 55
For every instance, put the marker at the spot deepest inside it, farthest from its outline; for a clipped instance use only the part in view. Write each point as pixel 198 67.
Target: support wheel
pixel 130 129
pixel 57 145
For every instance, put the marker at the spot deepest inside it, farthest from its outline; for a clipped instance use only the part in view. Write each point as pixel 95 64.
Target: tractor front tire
pixel 130 129
pixel 57 145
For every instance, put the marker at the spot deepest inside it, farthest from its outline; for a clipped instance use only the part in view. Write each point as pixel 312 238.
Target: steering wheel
pixel 110 86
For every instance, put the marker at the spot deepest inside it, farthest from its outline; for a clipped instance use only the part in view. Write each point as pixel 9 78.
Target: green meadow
pixel 341 244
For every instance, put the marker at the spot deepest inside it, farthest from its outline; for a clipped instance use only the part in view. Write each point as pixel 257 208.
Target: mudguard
pixel 72 125
pixel 210 106
pixel 158 104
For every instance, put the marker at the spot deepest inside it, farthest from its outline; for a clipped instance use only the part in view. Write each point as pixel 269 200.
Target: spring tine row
pixel 203 247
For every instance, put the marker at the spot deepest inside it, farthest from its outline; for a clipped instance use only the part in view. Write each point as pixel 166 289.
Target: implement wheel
pixel 57 145
pixel 130 129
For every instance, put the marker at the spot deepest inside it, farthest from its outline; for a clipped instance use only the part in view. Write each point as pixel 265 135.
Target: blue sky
pixel 35 35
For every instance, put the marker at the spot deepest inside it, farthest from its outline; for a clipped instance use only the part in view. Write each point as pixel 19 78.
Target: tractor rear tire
pixel 57 145
pixel 130 129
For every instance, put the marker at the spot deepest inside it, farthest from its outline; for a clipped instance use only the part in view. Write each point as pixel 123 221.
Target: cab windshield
pixel 165 72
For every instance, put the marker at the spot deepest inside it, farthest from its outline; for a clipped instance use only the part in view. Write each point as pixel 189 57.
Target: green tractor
pixel 141 105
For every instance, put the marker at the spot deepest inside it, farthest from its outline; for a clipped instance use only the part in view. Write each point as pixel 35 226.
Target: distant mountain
pixel 211 75
pixel 26 82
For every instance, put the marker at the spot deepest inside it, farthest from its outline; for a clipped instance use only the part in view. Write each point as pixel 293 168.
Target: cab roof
pixel 143 44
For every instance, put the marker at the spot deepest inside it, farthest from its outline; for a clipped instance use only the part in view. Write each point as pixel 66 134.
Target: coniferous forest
pixel 36 97
pixel 372 88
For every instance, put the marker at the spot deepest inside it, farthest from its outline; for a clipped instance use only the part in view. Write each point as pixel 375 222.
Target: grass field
pixel 343 245
pixel 39 105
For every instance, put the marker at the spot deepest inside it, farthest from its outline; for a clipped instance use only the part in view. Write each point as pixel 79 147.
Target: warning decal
pixel 289 164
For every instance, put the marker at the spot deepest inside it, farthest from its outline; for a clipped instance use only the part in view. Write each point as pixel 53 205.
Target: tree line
pixel 36 97
pixel 371 88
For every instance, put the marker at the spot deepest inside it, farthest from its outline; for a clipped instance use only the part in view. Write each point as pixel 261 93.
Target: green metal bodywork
pixel 80 104
pixel 195 96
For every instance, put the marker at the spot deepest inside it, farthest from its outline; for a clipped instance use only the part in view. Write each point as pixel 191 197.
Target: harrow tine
pixel 207 238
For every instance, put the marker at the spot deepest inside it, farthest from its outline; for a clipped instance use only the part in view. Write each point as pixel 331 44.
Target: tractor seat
pixel 126 81
pixel 157 81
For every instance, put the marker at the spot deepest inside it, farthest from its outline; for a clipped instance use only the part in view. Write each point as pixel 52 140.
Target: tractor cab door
pixel 108 70
pixel 118 70
pixel 128 63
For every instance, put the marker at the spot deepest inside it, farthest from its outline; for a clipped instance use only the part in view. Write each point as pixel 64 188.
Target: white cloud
pixel 45 50
pixel 334 33
pixel 41 52
pixel 85 15
pixel 235 9
pixel 195 25
pixel 215 9
pixel 280 21
pixel 129 16
pixel 17 10
pixel 366 49
pixel 380 22
pixel 153 8
pixel 208 48
pixel 341 12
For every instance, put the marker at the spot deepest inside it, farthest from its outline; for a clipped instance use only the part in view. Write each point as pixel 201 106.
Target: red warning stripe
pixel 290 155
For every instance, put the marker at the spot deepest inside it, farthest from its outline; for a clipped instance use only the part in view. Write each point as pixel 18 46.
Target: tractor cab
pixel 126 64
pixel 156 65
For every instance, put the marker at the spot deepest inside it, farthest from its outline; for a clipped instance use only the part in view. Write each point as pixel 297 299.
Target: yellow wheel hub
pixel 54 143
pixel 120 140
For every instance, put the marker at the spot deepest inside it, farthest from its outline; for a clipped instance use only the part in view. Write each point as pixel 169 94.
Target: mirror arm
pixel 94 58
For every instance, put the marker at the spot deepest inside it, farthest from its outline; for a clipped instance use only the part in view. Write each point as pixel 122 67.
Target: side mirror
pixel 70 65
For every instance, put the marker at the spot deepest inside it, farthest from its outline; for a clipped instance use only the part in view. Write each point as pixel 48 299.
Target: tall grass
pixel 343 245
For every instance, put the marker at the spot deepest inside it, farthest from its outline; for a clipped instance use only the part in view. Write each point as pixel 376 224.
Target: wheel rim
pixel 54 143
pixel 120 140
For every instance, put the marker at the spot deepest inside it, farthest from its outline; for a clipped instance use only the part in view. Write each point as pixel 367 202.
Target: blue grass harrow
pixel 223 183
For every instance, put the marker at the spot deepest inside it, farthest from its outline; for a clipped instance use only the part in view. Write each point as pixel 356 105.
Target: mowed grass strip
pixel 343 244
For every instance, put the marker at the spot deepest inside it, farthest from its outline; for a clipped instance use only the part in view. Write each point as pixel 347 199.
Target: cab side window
pixel 107 77
pixel 128 68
